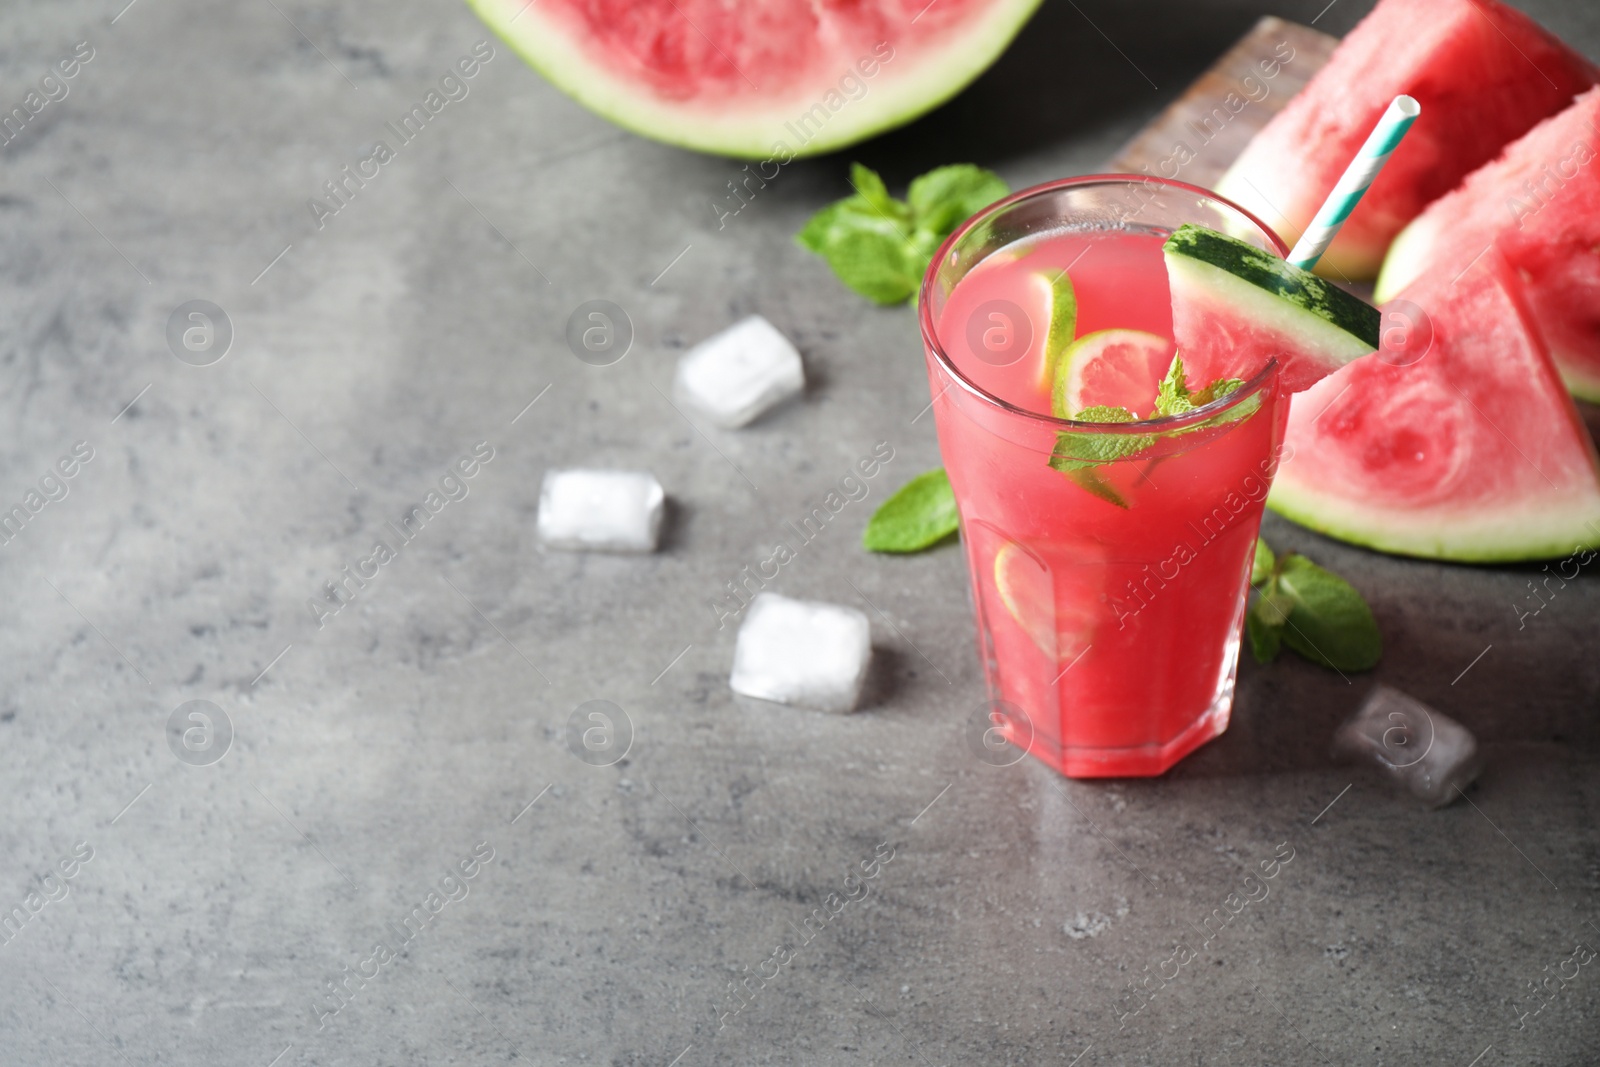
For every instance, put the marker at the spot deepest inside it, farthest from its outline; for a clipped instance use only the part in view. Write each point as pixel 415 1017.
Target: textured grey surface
pixel 378 751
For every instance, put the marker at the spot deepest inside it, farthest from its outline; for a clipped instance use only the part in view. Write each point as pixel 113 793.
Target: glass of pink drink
pixel 1109 628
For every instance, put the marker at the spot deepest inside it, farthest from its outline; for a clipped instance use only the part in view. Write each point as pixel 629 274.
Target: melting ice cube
pixel 1422 750
pixel 736 375
pixel 601 510
pixel 802 652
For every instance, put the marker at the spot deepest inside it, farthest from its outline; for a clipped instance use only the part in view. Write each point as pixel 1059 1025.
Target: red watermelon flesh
pixel 1463 445
pixel 763 79
pixel 1540 203
pixel 1484 75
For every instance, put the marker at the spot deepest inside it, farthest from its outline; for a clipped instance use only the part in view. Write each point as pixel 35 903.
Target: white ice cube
pixel 1420 749
pixel 802 652
pixel 736 375
pixel 601 510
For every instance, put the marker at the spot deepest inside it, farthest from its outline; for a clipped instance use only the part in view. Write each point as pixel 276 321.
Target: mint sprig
pixel 1078 452
pixel 1262 563
pixel 1311 610
pixel 880 246
pixel 1078 449
pixel 919 515
pixel 1173 396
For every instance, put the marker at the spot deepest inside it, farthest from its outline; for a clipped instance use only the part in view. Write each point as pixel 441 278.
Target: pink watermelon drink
pixel 1109 560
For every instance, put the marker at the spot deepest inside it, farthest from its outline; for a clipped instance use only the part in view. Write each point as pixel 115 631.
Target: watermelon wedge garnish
pixel 1540 203
pixel 1484 75
pixel 1235 305
pixel 765 80
pixel 1474 451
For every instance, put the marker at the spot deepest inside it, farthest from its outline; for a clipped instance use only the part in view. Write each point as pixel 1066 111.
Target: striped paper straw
pixel 1380 145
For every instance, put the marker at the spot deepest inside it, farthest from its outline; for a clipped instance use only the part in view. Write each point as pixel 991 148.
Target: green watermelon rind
pixel 1292 295
pixel 1521 534
pixel 1300 313
pixel 894 99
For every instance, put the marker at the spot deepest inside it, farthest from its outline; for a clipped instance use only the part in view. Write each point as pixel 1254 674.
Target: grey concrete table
pixel 377 757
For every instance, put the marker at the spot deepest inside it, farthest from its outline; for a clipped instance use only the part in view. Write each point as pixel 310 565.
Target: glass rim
pixel 1159 423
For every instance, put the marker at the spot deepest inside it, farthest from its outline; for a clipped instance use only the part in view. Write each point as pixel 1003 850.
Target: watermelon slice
pixel 767 80
pixel 1484 75
pixel 1473 451
pixel 1540 202
pixel 1235 305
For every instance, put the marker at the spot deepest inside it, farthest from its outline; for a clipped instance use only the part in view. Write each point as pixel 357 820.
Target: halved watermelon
pixel 1483 73
pixel 1540 202
pixel 1234 306
pixel 768 79
pixel 1472 452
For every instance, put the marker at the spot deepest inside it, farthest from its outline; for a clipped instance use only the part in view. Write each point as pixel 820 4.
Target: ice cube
pixel 601 510
pixel 802 652
pixel 736 375
pixel 1420 749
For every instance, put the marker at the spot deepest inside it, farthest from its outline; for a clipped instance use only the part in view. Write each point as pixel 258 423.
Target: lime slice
pixel 1062 300
pixel 1110 368
pixel 1028 591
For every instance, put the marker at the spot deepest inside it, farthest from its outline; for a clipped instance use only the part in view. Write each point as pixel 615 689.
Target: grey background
pixel 376 752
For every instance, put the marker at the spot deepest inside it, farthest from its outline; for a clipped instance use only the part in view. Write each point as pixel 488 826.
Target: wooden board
pixel 1228 104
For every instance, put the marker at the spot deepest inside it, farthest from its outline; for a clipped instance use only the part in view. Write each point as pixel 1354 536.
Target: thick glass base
pixel 1124 723
pixel 1143 761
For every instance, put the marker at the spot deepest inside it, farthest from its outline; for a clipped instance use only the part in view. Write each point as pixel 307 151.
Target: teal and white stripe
pixel 1380 145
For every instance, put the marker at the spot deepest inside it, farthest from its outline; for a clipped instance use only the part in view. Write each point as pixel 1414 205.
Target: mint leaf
pixel 1330 623
pixel 874 265
pixel 870 188
pixel 1078 452
pixel 853 214
pixel 945 197
pixel 1264 621
pixel 1077 449
pixel 1274 606
pixel 1312 610
pixel 1172 395
pixel 1103 413
pixel 880 246
pixel 1174 398
pixel 1263 563
pixel 819 229
pixel 1265 639
pixel 1217 390
pixel 921 513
